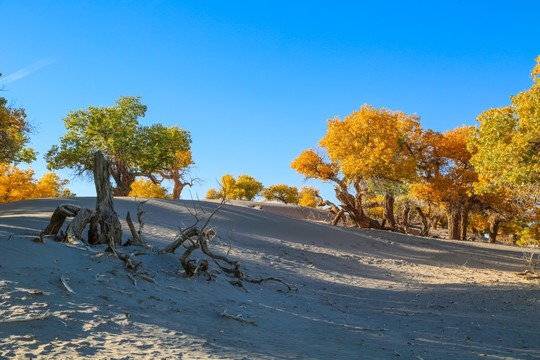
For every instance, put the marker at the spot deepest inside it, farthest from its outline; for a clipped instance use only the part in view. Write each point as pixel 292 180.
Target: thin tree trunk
pixel 463 222
pixel 405 217
pixel 494 223
pixel 425 225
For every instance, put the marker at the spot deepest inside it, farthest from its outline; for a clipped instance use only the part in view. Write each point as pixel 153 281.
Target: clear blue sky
pixel 255 81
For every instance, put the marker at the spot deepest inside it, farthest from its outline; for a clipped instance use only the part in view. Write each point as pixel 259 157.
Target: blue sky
pixel 255 81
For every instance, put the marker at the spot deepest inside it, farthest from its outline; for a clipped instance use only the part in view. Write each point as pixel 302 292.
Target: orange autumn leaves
pixel 17 184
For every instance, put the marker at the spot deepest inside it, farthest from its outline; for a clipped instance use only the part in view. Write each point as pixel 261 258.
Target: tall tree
pixel 132 150
pixel 367 146
pixel 447 176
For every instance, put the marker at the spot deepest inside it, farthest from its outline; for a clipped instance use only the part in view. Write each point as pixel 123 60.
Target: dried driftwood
pixel 25 318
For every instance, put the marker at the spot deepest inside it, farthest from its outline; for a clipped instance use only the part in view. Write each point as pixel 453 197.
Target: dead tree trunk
pixel 78 224
pixel 106 217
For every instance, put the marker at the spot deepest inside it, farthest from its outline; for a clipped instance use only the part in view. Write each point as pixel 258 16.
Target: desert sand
pixel 358 294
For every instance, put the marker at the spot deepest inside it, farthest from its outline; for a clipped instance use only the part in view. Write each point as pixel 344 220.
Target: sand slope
pixel 361 294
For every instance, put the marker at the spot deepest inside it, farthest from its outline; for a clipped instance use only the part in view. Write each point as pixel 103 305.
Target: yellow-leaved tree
pixel 147 189
pixel 370 145
pixel 244 187
pixel 18 184
pixel 309 196
pixel 446 176
pixel 283 193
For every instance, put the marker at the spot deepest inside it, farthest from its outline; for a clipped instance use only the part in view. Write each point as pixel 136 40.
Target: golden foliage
pixel 282 193
pixel 18 184
pixel 446 174
pixel 373 143
pixel 147 189
pixel 507 143
pixel 311 165
pixel 309 196
pixel 245 187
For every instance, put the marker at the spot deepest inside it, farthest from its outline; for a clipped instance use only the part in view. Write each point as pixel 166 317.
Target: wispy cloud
pixel 26 71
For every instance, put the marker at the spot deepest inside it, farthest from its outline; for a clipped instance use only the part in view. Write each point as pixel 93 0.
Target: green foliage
pixel 283 193
pixel 134 150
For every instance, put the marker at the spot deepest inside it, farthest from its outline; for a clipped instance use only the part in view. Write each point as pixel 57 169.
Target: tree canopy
pixel 282 192
pixel 507 143
pixel 18 184
pixel 244 187
pixel 157 152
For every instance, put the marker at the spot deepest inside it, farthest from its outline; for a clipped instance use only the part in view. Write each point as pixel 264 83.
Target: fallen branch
pixel 147 278
pixel 260 281
pixel 120 291
pixel 26 318
pixel 239 319
pixel 64 282
pixel 133 279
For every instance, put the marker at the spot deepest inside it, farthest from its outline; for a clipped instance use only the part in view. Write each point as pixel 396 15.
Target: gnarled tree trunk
pixel 106 217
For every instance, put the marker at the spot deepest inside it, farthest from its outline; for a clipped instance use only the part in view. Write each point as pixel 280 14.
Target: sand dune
pixel 359 294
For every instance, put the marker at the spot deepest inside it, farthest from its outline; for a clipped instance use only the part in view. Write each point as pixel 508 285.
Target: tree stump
pixel 106 217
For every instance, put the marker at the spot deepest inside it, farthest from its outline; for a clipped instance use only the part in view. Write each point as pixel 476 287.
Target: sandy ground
pixel 360 294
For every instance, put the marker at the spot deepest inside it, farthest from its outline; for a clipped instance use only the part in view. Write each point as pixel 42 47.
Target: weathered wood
pixel 59 216
pixel 111 230
pixel 78 224
pixel 134 235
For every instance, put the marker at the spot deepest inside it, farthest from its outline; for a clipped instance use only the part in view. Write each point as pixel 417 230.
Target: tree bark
pixel 453 215
pixel 123 179
pixel 405 217
pixel 425 225
pixel 388 209
pixel 111 230
pixel 463 221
